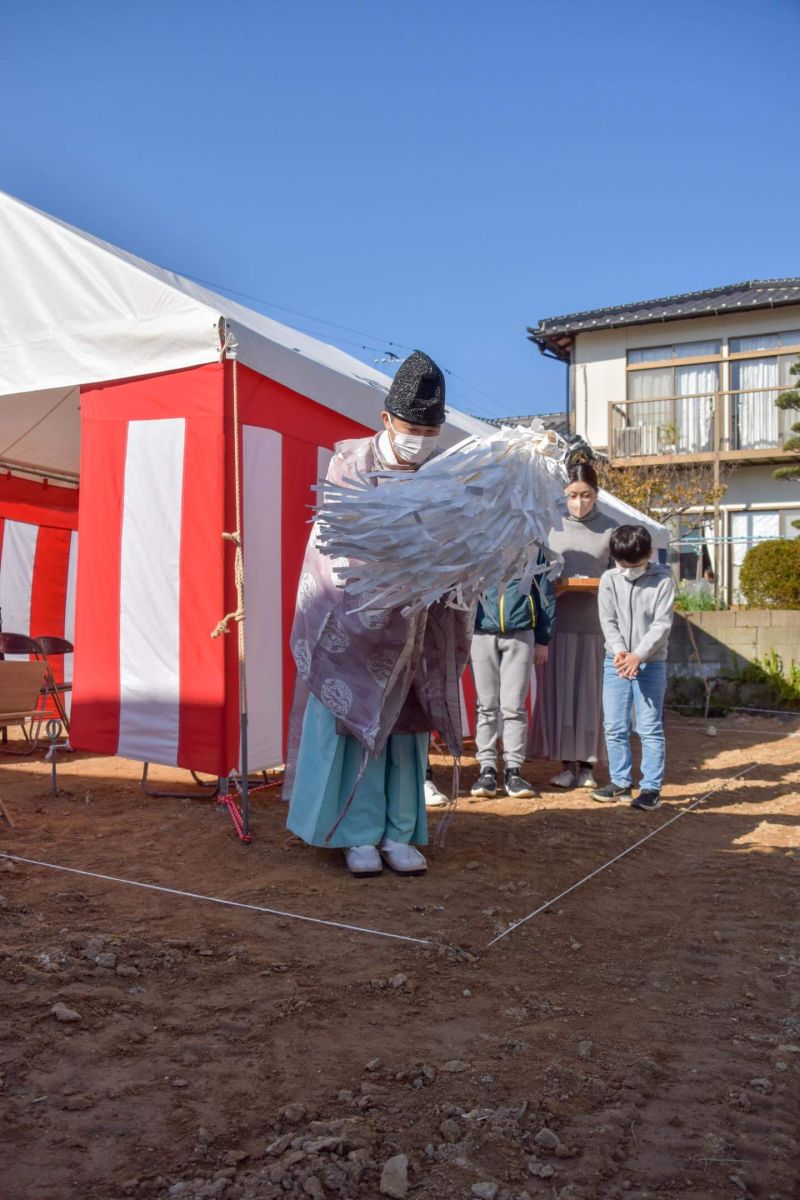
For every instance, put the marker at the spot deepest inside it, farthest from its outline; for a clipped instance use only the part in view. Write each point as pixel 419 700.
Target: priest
pixel 372 683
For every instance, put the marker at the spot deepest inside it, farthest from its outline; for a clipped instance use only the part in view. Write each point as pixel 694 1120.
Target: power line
pixel 386 342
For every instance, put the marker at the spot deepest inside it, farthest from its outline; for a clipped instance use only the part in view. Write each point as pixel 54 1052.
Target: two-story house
pixel 688 379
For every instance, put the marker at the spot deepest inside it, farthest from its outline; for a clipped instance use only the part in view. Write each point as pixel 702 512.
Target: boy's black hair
pixel 631 543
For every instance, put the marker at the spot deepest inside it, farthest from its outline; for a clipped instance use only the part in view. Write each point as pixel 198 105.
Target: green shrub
pixel 770 575
pixel 691 600
pixel 783 682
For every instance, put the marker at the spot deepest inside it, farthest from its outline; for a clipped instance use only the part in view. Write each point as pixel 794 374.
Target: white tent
pixel 75 310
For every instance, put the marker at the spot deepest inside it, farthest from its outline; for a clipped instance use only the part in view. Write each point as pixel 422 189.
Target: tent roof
pixel 76 310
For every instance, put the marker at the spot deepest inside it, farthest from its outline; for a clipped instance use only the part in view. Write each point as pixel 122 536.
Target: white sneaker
pixel 403 859
pixel 433 797
pixel 565 779
pixel 586 779
pixel 363 860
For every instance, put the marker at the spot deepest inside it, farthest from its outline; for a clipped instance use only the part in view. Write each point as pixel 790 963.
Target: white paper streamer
pixel 471 518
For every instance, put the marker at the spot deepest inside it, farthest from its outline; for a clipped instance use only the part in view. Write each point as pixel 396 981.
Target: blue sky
pixel 426 172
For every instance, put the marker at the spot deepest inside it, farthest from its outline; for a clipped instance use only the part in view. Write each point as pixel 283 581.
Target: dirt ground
pixel 639 1038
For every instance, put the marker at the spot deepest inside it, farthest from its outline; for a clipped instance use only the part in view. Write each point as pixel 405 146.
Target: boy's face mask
pixel 412 447
pixel 631 573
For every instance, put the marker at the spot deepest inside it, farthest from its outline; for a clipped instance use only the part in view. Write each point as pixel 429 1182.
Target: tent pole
pixel 245 779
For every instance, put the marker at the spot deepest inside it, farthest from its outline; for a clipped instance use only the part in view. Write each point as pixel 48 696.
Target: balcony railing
pixel 735 423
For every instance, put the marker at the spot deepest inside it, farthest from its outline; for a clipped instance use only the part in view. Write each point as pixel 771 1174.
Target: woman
pixel 568 719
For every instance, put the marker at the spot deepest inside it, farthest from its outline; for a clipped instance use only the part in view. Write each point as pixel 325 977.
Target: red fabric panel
pixel 38 502
pixel 49 591
pixel 270 405
pixel 470 700
pixel 94 721
pixel 202 734
pixel 190 393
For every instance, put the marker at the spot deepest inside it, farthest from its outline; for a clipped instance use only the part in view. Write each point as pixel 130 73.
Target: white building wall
pixel 600 357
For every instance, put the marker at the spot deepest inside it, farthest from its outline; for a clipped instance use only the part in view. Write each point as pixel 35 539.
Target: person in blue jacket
pixel 512 633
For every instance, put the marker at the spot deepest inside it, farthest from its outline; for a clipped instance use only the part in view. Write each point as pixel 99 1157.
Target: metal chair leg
pixel 209 790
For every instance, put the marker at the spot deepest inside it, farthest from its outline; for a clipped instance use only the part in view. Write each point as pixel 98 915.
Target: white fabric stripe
pixel 324 456
pixel 69 612
pixel 262 586
pixel 149 613
pixel 16 577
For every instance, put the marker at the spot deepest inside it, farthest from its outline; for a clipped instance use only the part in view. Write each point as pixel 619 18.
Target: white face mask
pixel 412 447
pixel 632 573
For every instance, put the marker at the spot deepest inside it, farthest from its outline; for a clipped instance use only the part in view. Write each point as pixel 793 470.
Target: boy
pixel 635 604
pixel 512 633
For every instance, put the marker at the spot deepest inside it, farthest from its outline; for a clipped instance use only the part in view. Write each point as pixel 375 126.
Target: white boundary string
pixel 622 854
pixel 273 912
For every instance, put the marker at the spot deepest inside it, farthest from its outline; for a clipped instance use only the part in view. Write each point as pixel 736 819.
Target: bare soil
pixel 638 1038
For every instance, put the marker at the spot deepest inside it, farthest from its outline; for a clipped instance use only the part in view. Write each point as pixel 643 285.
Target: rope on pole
pixel 241 820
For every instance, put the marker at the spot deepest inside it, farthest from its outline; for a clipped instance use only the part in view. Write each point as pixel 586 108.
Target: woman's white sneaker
pixel 363 860
pixel 564 779
pixel 403 859
pixel 586 779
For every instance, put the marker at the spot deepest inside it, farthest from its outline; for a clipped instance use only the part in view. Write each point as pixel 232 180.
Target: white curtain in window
pixel 711 545
pixel 756 417
pixel 694 407
pixel 747 528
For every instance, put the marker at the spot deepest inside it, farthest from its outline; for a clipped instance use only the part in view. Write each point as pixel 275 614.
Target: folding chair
pixel 21 686
pixel 21 643
pixel 52 647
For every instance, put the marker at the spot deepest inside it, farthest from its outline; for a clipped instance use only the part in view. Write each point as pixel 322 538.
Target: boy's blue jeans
pixel 645 694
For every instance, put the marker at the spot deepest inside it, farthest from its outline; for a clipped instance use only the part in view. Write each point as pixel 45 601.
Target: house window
pixel 756 381
pixel 671 391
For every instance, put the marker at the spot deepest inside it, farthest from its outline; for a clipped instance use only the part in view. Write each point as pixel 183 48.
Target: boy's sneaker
pixel 610 793
pixel 433 797
pixel 516 786
pixel 647 800
pixel 585 778
pixel 486 784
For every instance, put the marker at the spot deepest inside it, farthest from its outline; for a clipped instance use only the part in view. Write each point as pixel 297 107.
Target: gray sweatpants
pixel 501 664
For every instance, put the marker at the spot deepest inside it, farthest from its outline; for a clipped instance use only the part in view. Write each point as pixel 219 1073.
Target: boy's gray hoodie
pixel 637 616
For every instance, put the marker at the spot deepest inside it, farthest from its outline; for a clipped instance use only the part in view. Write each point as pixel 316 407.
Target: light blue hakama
pixel 389 801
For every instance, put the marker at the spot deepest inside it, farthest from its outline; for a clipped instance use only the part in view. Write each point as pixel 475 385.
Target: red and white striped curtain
pixel 38 565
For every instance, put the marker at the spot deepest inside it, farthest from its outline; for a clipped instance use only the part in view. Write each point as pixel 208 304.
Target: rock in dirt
pixel 294 1113
pixel 450 1130
pixel 394 1177
pixel 66 1015
pixel 78 1103
pixel 126 972
pixel 585 1048
pixel 485 1190
pixel 454 1066
pixel 313 1188
pixel 547 1139
pixel 374 1064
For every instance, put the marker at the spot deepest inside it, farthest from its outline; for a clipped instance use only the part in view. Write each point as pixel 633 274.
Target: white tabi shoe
pixel 565 779
pixel 433 797
pixel 403 859
pixel 363 860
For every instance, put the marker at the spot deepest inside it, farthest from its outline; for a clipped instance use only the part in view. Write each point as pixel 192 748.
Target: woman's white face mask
pixel 412 447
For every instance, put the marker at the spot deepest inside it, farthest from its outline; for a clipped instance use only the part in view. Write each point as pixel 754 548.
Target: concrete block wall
pixel 730 639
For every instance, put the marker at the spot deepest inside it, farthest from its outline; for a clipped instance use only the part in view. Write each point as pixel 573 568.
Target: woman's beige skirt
pixel 567 719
